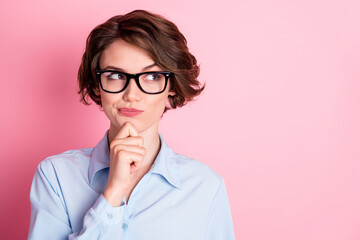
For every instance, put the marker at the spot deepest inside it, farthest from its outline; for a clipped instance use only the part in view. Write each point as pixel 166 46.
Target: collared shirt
pixel 178 198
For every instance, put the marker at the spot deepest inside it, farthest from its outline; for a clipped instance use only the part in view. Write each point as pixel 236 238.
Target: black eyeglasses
pixel 149 82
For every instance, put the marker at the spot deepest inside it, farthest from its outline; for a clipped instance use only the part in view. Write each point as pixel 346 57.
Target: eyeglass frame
pixel 135 76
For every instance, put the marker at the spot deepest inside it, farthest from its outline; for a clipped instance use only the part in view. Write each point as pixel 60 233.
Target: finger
pixel 128 158
pixel 127 130
pixel 136 141
pixel 130 148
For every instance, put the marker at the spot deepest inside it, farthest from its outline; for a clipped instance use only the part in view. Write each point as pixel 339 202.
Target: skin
pixel 133 141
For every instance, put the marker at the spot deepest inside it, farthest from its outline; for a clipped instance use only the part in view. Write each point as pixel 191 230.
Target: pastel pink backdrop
pixel 279 119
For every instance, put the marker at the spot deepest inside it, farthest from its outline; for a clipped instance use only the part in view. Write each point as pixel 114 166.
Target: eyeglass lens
pixel 149 82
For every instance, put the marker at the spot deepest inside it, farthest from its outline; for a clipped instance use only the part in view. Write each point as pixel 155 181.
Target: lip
pixel 129 112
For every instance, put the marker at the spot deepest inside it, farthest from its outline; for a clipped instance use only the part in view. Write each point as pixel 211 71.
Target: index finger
pixel 127 130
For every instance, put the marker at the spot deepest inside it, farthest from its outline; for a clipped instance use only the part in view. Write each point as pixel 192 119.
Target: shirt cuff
pixel 109 214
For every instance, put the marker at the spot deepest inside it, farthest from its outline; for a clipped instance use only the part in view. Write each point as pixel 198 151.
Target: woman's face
pixel 128 58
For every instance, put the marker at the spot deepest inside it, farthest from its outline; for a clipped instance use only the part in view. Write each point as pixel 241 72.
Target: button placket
pixel 109 215
pixel 124 226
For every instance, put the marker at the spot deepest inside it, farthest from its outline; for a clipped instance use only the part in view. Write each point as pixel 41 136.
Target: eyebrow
pixel 122 70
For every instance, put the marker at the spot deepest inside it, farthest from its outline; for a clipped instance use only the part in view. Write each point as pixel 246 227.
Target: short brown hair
pixel 158 37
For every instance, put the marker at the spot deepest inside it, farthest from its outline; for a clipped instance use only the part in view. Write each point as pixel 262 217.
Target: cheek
pixel 107 102
pixel 158 106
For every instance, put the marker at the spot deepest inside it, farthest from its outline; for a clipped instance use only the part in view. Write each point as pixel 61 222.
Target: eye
pixel 153 76
pixel 115 76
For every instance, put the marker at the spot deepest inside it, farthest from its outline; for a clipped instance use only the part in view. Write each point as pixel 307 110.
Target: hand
pixel 126 156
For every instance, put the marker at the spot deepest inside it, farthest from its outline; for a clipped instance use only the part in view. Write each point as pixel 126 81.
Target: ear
pixel 172 93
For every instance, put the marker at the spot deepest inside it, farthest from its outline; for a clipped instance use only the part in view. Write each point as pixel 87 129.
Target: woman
pixel 131 185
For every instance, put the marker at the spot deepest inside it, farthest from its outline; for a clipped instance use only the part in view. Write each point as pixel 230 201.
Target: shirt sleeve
pixel 49 216
pixel 220 225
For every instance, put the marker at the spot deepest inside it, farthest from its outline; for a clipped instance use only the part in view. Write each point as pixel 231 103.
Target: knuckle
pixel 116 144
pixel 121 153
pixel 112 145
pixel 116 148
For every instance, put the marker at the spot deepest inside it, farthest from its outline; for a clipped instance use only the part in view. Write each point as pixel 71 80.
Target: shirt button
pixel 124 226
pixel 109 215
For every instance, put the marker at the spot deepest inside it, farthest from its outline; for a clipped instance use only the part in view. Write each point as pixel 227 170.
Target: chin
pixel 139 125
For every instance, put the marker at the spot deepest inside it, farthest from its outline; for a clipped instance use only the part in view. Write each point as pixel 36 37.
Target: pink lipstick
pixel 129 112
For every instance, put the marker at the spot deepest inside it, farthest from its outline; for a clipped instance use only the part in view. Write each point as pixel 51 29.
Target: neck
pixel 152 143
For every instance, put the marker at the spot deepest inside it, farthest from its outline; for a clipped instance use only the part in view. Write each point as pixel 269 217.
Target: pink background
pixel 279 120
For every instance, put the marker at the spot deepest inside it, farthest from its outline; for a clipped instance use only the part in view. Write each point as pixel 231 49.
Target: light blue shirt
pixel 179 198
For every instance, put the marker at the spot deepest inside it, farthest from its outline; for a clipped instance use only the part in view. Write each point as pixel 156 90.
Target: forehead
pixel 126 56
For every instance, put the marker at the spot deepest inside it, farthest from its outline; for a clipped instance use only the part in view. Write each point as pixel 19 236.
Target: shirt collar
pixel 165 163
pixel 100 157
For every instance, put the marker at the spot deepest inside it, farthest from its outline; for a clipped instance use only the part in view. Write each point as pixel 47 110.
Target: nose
pixel 132 92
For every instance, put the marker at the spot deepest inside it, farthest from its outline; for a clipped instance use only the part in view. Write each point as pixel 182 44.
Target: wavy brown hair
pixel 159 38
